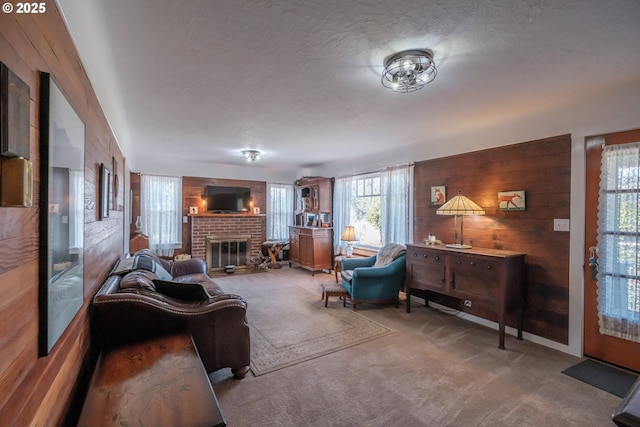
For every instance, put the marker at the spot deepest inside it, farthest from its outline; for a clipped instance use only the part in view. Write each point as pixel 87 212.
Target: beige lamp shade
pixel 459 206
pixel 349 234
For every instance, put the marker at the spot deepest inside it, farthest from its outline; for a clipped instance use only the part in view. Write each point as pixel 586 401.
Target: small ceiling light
pixel 251 155
pixel 409 70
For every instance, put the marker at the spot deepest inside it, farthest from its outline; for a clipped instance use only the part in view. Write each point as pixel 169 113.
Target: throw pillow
pixel 124 265
pixel 162 273
pixel 138 279
pixel 186 291
pixel 388 253
pixel 145 262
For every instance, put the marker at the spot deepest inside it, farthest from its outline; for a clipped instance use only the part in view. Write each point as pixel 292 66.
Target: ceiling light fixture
pixel 409 70
pixel 251 155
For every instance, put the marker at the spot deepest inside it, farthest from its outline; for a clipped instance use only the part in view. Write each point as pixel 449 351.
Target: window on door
pixel 619 242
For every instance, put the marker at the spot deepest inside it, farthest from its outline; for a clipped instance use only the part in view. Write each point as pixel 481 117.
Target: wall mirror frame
pixel 61 217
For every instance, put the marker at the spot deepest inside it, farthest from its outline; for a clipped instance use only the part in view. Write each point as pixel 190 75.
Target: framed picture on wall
pixel 511 201
pixel 14 114
pixel 105 189
pixel 438 195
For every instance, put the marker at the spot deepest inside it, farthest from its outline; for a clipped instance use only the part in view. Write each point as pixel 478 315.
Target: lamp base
pixel 349 250
pixel 458 246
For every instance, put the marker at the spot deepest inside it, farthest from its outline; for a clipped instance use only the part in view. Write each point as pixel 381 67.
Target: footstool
pixel 333 290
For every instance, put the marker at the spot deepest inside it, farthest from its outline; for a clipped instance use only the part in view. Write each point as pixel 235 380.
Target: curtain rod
pixel 379 170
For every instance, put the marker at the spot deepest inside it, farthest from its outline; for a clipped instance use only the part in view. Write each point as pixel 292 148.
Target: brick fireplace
pixel 226 227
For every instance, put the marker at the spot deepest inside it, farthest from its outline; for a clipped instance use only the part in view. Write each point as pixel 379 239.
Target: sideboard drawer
pixel 474 278
pixel 426 270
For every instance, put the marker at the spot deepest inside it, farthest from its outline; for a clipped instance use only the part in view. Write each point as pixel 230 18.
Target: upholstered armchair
pixel 376 279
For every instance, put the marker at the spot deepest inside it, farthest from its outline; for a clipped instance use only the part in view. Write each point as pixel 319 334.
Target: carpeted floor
pixel 289 324
pixel 434 370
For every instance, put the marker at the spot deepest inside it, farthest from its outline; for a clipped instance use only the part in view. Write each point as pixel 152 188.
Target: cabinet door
pixel 294 246
pixel 474 277
pixel 306 250
pixel 322 250
pixel 426 269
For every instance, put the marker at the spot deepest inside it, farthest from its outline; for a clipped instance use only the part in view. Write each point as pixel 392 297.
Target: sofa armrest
pixel 188 266
pixel 353 263
pixel 218 326
pixel 394 267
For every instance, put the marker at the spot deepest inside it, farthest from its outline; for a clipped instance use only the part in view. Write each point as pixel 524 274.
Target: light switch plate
pixel 561 225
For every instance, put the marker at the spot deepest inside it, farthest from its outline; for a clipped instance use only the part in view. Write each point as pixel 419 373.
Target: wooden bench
pixel 151 383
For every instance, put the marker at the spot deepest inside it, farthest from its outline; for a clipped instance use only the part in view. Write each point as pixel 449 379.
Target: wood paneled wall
pixel 542 169
pixel 40 391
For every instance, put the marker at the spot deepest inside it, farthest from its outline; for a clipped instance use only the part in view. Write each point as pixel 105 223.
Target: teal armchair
pixel 368 284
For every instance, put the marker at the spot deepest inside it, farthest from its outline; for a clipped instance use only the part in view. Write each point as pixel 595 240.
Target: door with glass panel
pixel 612 250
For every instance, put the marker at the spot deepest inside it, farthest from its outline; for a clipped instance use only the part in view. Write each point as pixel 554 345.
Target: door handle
pixel 593 262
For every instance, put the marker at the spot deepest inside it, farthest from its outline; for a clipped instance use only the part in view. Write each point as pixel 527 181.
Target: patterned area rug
pixel 289 324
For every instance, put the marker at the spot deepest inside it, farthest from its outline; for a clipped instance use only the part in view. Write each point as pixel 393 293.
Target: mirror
pixel 61 266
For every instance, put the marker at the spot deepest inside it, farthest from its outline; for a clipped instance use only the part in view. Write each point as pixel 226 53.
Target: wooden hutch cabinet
pixel 488 282
pixel 311 238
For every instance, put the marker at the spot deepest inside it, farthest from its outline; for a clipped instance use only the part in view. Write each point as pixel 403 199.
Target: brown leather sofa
pixel 128 308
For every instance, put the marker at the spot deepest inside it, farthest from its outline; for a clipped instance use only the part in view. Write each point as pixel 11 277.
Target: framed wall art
pixel 14 114
pixel 438 195
pixel 105 190
pixel 511 201
pixel 61 215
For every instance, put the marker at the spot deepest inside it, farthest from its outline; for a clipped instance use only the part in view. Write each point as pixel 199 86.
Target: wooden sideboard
pixel 157 382
pixel 311 247
pixel 488 282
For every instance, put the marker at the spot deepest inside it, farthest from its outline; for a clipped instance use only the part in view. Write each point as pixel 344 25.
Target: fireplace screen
pixel 227 250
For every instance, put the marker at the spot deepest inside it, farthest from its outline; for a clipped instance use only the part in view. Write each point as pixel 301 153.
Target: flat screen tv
pixel 228 199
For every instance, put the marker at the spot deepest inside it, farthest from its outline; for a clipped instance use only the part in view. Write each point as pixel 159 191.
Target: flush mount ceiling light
pixel 251 155
pixel 409 70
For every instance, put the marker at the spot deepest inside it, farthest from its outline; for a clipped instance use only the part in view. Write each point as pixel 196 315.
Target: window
pixel 378 205
pixel 161 212
pixel 279 211
pixel 365 209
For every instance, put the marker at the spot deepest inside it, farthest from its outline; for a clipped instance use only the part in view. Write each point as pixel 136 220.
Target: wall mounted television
pixel 228 199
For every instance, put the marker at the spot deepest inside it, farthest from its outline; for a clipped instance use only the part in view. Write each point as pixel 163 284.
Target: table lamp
pixel 459 206
pixel 349 236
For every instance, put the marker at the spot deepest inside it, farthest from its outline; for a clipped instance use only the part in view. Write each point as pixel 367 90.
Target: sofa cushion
pixel 347 275
pixel 138 279
pixel 186 291
pixel 388 253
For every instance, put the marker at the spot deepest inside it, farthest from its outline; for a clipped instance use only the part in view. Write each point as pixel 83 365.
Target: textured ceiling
pixel 193 82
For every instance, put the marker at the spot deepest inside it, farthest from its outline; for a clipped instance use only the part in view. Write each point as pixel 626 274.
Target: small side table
pixel 331 290
pixel 337 265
